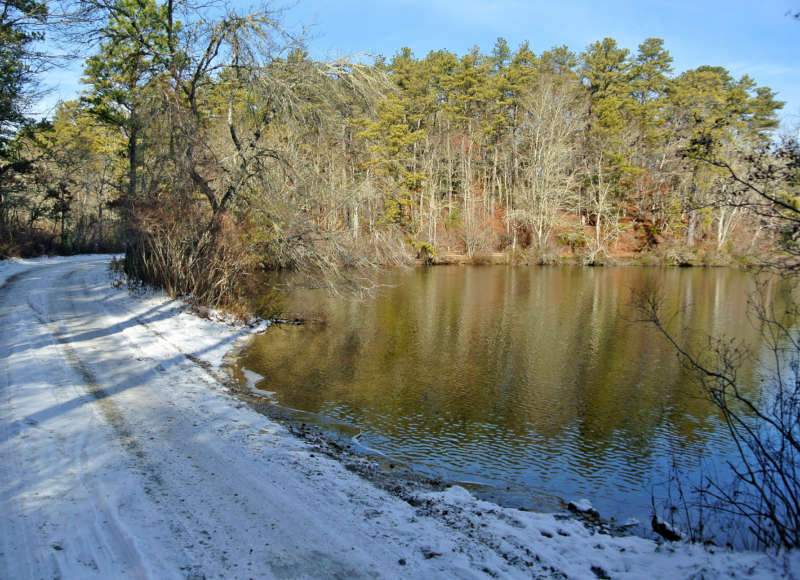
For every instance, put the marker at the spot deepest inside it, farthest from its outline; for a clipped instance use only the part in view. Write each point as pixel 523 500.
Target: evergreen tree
pixel 132 53
pixel 21 25
pixel 650 81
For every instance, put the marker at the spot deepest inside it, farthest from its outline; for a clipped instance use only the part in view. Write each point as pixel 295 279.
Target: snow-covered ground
pixel 122 454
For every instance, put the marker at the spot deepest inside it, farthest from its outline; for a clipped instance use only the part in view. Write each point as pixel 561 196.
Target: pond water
pixel 529 386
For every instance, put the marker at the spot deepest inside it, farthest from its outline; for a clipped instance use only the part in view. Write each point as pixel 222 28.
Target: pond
pixel 530 386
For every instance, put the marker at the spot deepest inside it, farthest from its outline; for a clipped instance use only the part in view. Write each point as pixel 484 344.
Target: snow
pixel 125 455
pixel 582 506
pixel 13 266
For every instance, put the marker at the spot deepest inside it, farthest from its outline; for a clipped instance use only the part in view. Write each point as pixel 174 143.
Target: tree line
pixel 209 146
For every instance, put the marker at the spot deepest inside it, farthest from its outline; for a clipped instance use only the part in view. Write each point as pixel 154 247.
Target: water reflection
pixel 531 384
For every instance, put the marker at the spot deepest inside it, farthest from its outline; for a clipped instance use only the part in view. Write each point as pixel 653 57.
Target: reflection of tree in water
pixel 530 363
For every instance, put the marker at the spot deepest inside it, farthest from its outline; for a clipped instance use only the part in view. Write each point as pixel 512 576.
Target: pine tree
pixel 21 25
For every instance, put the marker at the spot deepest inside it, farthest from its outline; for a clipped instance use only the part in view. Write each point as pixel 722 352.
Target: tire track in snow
pixel 107 527
pixel 109 409
pixel 188 528
pixel 105 544
pixel 154 486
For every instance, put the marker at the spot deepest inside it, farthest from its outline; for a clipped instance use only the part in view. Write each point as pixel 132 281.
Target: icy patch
pixel 252 379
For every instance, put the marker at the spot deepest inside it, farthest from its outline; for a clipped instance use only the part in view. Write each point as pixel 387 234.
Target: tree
pixel 607 72
pixel 711 114
pixel 224 121
pixel 395 135
pixel 551 119
pixel 131 55
pixel 170 79
pixel 83 154
pixel 650 82
pixel 21 26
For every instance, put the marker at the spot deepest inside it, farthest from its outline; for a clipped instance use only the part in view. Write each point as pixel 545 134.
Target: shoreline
pixel 644 260
pixel 335 431
pixel 391 475
pixel 159 467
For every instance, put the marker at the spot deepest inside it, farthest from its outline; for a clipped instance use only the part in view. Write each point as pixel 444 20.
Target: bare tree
pixel 763 423
pixel 552 120
pixel 602 207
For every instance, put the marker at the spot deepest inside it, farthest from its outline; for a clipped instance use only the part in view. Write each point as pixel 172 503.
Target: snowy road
pixel 121 456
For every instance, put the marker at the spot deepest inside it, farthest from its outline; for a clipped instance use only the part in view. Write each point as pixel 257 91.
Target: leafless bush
pixel 206 260
pixel 764 425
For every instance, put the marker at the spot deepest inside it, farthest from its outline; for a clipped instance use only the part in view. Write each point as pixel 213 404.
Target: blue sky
pixel 753 37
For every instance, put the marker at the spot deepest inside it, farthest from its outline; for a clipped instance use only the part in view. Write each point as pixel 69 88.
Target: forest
pixel 209 147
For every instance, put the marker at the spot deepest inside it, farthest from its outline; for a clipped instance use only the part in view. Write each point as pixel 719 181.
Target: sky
pixel 753 37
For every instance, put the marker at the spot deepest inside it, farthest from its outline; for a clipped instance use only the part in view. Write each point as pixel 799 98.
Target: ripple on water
pixel 526 383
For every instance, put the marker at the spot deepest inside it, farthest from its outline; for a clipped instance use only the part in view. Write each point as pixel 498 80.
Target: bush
pixel 189 253
pixel 576 240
